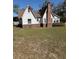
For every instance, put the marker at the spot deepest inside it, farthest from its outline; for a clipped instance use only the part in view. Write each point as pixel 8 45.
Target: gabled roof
pixel 42 11
pixel 55 15
pixel 20 13
pixel 36 14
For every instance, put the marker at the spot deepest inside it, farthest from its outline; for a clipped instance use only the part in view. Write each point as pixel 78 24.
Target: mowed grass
pixel 39 43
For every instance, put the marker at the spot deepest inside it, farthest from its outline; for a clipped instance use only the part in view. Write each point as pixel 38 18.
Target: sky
pixel 35 4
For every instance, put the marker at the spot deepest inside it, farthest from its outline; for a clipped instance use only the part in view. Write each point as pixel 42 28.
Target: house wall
pixel 34 22
pixel 44 17
pixel 28 15
pixel 56 19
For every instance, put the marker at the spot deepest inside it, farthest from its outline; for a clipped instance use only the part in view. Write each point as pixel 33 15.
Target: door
pixel 29 23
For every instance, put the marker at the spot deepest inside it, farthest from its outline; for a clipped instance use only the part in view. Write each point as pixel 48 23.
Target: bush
pixel 62 19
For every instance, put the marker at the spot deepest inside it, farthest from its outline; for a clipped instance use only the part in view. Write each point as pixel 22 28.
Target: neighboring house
pixel 15 21
pixel 56 18
pixel 29 18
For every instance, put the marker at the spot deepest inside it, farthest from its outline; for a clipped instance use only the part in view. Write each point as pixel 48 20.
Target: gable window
pixel 29 21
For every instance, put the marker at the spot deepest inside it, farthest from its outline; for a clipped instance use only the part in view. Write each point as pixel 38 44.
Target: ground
pixel 42 43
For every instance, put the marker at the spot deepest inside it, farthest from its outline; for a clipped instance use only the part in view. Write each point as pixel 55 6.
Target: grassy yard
pixel 39 43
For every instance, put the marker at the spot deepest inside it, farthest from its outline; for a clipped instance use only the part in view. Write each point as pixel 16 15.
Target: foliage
pixel 45 2
pixel 60 10
pixel 44 6
pixel 15 8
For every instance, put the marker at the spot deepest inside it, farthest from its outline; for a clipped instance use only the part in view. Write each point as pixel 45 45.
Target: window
pixel 57 21
pixel 29 21
pixel 54 21
pixel 37 19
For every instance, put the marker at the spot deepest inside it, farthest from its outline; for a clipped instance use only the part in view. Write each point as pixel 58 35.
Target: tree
pixel 43 7
pixel 60 10
pixel 15 9
pixel 45 2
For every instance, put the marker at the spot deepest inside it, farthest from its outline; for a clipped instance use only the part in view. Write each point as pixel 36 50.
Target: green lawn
pixel 42 43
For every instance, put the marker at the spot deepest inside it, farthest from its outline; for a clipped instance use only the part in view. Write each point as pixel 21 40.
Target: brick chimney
pixel 29 8
pixel 49 20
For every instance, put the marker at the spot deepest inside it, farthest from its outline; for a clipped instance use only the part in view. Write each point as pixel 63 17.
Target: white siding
pixel 44 17
pixel 28 15
pixel 38 20
pixel 56 19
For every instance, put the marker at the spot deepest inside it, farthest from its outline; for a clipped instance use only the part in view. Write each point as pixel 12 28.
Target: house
pixel 15 21
pixel 56 18
pixel 29 18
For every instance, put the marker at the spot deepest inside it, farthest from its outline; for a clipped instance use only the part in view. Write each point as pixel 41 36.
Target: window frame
pixel 29 21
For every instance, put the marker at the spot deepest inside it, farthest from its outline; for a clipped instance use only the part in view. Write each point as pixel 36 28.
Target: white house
pixel 56 19
pixel 29 18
